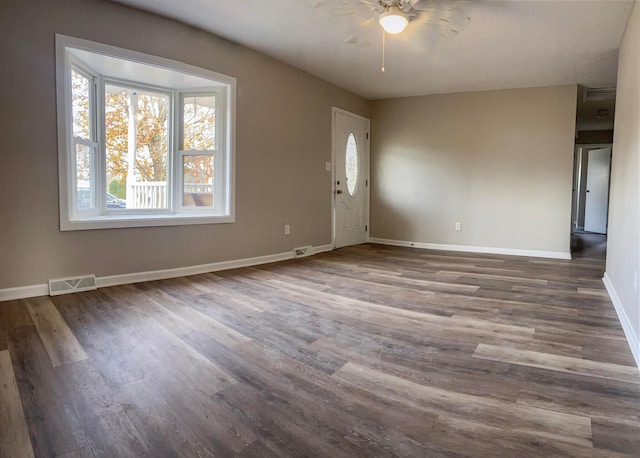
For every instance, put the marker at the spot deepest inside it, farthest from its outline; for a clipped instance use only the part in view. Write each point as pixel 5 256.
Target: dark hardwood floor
pixel 588 245
pixel 364 351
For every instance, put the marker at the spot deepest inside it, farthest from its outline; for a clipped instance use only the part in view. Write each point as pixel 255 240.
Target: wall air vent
pixel 302 251
pixel 599 94
pixel 72 285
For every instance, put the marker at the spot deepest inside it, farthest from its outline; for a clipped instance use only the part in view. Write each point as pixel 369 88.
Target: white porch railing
pixel 147 194
pixel 201 188
pixel 153 194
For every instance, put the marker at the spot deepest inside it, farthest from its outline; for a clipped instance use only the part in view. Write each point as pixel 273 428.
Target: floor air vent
pixel 72 285
pixel 302 251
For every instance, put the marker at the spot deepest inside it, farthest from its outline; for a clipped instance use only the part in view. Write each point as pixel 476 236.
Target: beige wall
pixel 499 162
pixel 624 229
pixel 283 141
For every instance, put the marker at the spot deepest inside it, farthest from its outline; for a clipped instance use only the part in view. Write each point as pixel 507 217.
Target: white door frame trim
pixel 335 110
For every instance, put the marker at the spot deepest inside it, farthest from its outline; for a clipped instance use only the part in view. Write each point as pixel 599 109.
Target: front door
pixel 597 198
pixel 351 178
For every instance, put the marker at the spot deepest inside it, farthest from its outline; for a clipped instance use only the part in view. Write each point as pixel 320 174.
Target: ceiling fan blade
pixel 373 5
pixel 419 4
pixel 369 22
pixel 445 19
pixel 443 14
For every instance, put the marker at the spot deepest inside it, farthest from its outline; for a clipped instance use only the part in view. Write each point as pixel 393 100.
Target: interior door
pixel 597 195
pixel 351 178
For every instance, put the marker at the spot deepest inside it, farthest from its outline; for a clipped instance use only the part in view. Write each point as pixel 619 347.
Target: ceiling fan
pixel 394 16
pixel 447 18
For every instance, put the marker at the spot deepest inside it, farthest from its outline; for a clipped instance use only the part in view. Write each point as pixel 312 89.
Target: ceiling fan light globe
pixel 393 20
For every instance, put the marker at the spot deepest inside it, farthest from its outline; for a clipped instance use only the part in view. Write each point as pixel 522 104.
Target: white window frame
pixel 223 210
pixel 90 142
pixel 171 95
pixel 219 191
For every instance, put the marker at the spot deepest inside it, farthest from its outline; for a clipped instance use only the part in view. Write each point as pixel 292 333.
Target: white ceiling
pixel 507 44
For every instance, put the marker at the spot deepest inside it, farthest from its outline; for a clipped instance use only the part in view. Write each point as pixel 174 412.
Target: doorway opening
pixel 592 167
pixel 591 188
pixel 592 171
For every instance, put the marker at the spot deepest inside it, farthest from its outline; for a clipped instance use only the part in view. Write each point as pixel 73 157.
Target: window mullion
pixel 173 157
pixel 179 145
pixel 99 116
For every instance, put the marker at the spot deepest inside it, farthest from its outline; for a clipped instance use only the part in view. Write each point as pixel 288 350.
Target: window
pixel 143 141
pixel 351 164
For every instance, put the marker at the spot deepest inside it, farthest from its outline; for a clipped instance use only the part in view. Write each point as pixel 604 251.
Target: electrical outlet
pixel 287 229
pixel 458 226
pixel 635 281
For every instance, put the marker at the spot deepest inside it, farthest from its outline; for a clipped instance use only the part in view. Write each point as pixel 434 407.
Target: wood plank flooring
pixel 364 351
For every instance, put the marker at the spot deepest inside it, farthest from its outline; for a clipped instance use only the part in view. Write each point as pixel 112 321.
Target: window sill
pixel 154 220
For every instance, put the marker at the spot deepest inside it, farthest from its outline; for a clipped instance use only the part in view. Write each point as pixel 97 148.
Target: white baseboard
pixel 321 248
pixel 10 294
pixel 474 249
pixel 629 332
pixel 24 292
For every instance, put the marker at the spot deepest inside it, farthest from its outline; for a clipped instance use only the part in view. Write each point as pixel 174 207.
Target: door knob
pixel 339 191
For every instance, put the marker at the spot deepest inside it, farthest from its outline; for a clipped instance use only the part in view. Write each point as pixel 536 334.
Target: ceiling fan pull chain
pixel 383 42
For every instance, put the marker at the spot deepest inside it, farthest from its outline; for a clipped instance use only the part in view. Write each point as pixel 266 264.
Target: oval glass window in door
pixel 351 164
